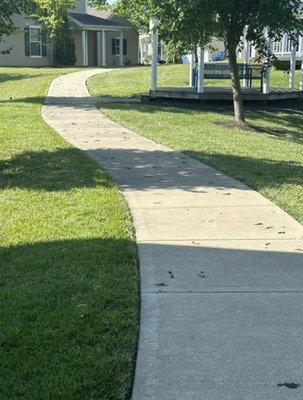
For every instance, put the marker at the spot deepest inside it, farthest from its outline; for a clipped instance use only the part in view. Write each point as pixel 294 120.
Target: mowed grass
pixel 69 279
pixel 131 82
pixel 268 157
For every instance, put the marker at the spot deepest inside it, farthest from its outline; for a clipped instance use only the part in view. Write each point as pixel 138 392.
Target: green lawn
pixel 131 82
pixel 268 158
pixel 69 274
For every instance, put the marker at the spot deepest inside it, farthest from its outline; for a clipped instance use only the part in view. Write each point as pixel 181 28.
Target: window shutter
pixel 114 47
pixel 44 43
pixel 125 47
pixel 27 45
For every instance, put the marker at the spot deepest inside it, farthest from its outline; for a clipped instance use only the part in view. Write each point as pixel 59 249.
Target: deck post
pixel 154 62
pixel 200 87
pixel 191 70
pixel 103 48
pixel 292 71
pixel 266 80
pixel 85 48
pixel 245 55
pixel 286 44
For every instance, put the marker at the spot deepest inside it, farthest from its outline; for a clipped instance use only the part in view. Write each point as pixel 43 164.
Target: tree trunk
pixel 237 91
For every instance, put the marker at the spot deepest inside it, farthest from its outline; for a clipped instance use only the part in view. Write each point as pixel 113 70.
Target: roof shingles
pixel 91 20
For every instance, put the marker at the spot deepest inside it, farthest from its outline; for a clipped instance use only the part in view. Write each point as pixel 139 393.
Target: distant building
pixel 100 38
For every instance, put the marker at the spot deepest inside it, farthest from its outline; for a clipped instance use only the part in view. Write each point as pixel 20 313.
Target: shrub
pixel 65 46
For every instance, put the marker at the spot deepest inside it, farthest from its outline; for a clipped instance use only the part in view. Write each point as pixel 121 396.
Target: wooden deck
pixel 221 94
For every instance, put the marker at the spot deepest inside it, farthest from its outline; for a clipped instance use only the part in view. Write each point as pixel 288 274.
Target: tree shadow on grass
pixel 69 319
pixel 10 77
pixel 66 169
pixel 58 101
pixel 133 168
pixel 59 170
pixel 257 173
pixel 69 310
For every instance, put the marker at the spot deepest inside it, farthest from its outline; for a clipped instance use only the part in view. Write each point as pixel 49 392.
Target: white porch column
pixel 301 80
pixel 103 48
pixel 207 56
pixel 121 57
pixel 300 45
pixel 266 80
pixel 200 88
pixel 245 55
pixel 292 71
pixel 84 48
pixel 154 63
pixel 191 69
pixel 284 43
pixel 99 54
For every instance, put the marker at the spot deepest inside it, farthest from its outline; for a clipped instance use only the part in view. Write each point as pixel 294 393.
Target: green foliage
pixel 65 47
pixel 224 20
pixel 53 15
pixel 7 9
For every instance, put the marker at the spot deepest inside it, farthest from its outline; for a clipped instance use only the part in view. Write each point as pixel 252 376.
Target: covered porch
pixel 99 42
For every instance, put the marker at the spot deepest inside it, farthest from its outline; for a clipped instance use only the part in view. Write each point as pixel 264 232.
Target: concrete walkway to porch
pixel 221 266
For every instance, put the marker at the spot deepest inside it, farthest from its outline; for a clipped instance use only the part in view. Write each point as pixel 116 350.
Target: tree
pixel 53 15
pixel 195 22
pixel 7 9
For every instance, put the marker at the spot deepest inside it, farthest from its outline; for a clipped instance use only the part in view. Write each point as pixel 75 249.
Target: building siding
pixel 132 48
pixel 17 55
pixel 132 57
pixel 77 35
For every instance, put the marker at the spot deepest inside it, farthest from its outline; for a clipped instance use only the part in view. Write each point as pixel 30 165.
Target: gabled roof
pixel 93 21
pixel 109 15
pixel 105 14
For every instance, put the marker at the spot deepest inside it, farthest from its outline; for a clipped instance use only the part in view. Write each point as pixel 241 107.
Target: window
pixel 116 47
pixel 35 42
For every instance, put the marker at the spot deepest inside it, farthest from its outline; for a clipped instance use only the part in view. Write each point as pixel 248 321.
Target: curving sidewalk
pixel 221 266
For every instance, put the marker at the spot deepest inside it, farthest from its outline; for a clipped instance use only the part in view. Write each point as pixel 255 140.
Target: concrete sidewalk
pixel 221 266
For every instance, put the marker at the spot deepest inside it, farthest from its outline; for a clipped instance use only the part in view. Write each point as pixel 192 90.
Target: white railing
pixel 283 47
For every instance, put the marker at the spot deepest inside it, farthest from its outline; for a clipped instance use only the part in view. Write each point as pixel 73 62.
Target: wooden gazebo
pixel 198 72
